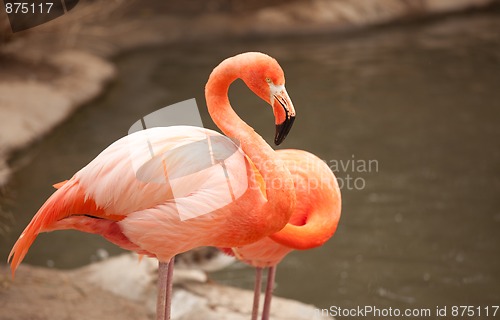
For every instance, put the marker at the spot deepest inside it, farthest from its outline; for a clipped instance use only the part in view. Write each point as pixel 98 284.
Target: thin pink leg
pixel 163 302
pixel 256 293
pixel 170 281
pixel 271 274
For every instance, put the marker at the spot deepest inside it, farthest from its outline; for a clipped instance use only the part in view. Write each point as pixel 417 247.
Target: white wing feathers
pixel 150 167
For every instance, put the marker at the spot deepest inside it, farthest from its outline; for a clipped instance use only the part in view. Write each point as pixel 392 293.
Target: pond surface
pixel 408 118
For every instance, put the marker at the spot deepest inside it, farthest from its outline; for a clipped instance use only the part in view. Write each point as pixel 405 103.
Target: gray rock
pixel 193 298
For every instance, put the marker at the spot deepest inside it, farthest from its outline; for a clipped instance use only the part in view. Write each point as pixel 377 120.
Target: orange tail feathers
pixel 67 200
pixel 43 217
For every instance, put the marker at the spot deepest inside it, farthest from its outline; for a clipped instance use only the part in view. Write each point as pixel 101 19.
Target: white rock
pixel 193 297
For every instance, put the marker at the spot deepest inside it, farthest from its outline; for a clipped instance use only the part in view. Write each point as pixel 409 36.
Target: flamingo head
pixel 264 76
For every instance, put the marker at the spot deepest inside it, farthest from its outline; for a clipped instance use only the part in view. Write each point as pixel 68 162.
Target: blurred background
pixel 400 98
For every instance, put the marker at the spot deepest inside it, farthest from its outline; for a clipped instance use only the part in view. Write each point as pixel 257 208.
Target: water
pixel 418 103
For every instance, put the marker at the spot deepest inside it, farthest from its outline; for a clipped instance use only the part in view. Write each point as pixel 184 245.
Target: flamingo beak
pixel 284 112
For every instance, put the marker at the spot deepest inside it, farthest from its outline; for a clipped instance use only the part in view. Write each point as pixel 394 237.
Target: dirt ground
pixel 121 288
pixel 55 294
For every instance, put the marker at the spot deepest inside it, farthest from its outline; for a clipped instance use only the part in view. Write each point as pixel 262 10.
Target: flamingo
pixel 312 223
pixel 127 195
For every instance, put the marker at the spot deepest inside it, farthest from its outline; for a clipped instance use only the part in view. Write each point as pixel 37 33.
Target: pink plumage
pixel 150 192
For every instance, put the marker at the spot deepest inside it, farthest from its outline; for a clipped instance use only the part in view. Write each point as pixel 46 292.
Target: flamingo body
pixel 126 193
pixel 316 214
pixel 163 191
pixel 313 221
pixel 106 197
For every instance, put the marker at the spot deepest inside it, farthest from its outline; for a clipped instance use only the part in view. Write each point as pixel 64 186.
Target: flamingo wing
pixel 170 174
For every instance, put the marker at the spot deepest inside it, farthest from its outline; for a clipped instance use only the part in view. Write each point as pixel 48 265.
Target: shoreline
pixel 121 287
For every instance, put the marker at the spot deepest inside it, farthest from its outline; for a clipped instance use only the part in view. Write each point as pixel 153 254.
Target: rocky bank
pixel 124 288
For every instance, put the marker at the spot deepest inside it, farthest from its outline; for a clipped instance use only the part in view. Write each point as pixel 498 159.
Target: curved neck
pixel 223 115
pixel 279 184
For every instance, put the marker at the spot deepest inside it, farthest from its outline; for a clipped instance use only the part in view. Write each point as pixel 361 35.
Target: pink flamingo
pixel 136 209
pixel 313 221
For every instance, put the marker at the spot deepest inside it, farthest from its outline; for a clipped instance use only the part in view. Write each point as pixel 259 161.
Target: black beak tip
pixel 282 130
pixel 278 140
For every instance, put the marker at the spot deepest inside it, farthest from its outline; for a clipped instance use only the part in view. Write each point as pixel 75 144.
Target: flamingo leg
pixel 256 293
pixel 165 280
pixel 271 275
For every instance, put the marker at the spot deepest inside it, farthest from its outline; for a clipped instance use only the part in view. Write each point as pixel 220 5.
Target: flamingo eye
pixel 268 80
